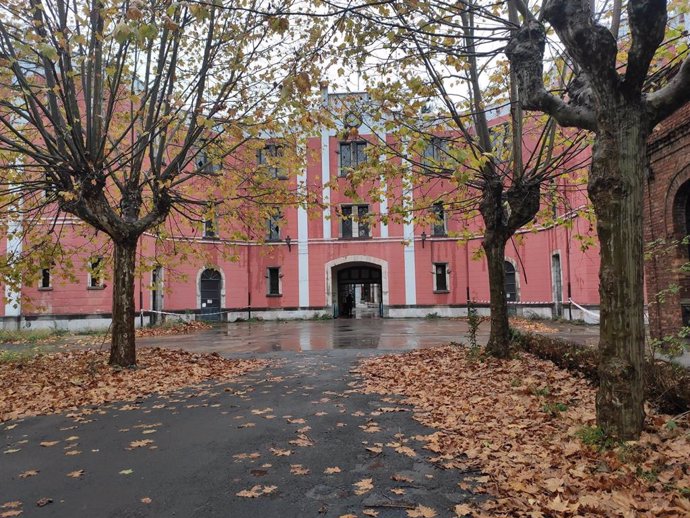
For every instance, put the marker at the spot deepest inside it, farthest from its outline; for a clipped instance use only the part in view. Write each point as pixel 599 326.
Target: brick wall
pixel 668 191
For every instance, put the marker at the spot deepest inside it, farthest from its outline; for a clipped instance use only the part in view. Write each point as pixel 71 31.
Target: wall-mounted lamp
pixel 288 242
pixel 423 238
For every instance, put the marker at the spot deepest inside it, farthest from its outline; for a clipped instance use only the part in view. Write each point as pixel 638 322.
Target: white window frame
pixel 352 150
pixel 270 153
pixel 89 278
pixel 447 276
pixel 354 219
pixel 443 222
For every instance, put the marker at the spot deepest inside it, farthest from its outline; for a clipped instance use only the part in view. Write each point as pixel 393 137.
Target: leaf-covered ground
pixel 49 383
pixel 527 426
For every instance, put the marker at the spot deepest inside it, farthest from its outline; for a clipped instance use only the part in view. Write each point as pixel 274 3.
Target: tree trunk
pixel 616 190
pixel 122 349
pixel 499 336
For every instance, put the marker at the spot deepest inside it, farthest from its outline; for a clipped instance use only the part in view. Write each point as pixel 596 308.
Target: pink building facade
pixel 325 261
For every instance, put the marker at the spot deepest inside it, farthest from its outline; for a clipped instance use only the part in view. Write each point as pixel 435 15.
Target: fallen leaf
pixel 48 444
pixel 42 502
pixel 76 474
pixel 462 510
pixel 363 486
pixel 421 511
pixel 126 472
pixel 29 473
pixel 280 452
pixel 298 469
pixel 256 491
pixel 140 443
pixel 331 471
pixel 146 500
pixel 370 512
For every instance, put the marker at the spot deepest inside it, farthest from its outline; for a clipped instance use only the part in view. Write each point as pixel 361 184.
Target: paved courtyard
pixel 317 335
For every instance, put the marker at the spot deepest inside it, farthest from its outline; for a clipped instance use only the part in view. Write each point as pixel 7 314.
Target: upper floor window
pixel 436 152
pixel 352 154
pixel 273 284
pixel 441 277
pixel 210 227
pixel 501 141
pixel 210 224
pixel 438 228
pixel 204 164
pixel 273 226
pixel 354 221
pixel 269 156
pixel 95 277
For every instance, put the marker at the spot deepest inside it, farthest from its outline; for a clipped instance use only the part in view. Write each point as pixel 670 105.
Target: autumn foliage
pixel 527 428
pixel 64 381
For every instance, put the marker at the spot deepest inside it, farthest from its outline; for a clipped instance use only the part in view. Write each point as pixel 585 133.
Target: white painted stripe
pixel 325 178
pixel 303 243
pixel 383 206
pixel 408 236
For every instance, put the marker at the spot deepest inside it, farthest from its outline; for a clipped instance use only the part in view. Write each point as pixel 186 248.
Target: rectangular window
pixel 269 156
pixel 204 163
pixel 273 224
pixel 436 152
pixel 95 279
pixel 354 222
pixel 45 282
pixel 210 229
pixel 273 277
pixel 352 154
pixel 438 228
pixel 440 277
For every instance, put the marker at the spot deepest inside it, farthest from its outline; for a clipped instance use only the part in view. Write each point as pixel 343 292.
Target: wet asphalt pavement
pixel 190 453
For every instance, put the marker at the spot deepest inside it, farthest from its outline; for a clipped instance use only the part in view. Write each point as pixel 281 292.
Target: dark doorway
pixel 359 293
pixel 557 285
pixel 156 294
pixel 210 285
pixel 511 287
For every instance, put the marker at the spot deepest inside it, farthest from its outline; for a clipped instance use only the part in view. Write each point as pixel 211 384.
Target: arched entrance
pixel 210 287
pixel 359 291
pixel 364 279
pixel 511 287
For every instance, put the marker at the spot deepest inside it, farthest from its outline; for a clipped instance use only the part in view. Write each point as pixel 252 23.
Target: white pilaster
pixel 13 298
pixel 303 243
pixel 325 178
pixel 408 236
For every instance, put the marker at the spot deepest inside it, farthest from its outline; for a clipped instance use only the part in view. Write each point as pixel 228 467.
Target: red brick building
pixel 667 216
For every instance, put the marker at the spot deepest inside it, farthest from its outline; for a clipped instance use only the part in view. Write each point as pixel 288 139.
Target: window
pixel 269 157
pixel 436 152
pixel 273 227
pixel 204 163
pixel 273 276
pixel 501 141
pixel 95 280
pixel 352 154
pixel 441 277
pixel 438 228
pixel 210 228
pixel 354 221
pixel 45 282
